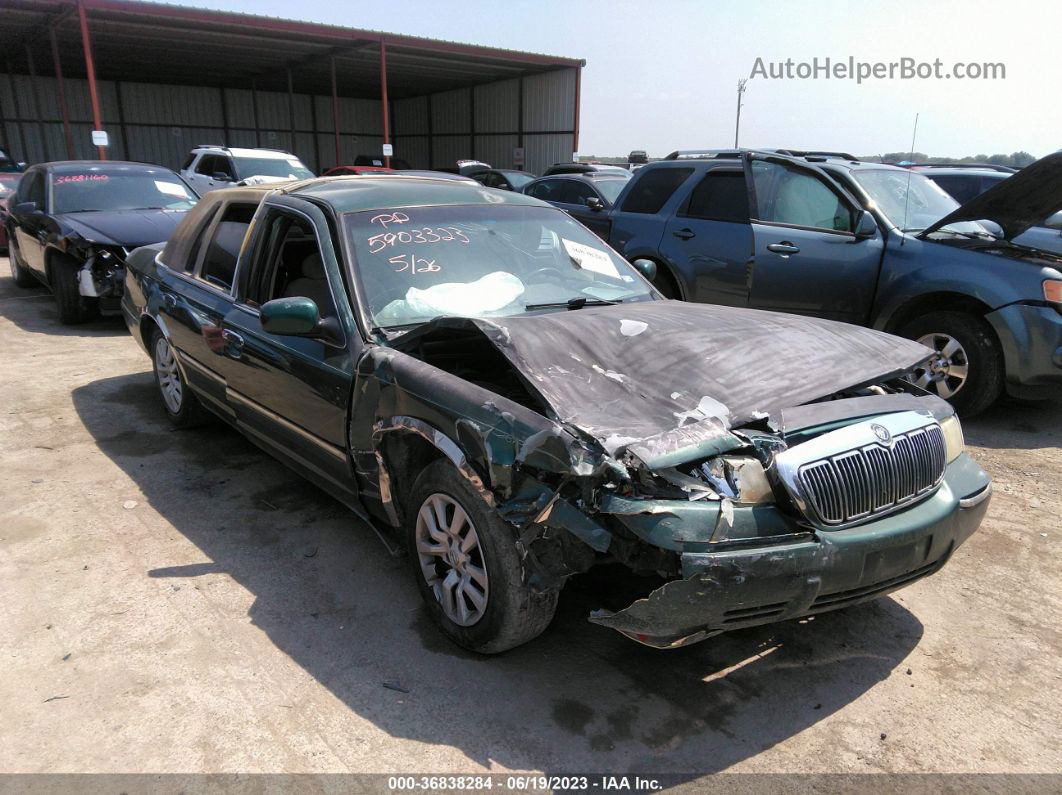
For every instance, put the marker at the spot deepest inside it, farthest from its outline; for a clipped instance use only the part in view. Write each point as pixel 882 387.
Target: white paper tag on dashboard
pixel 592 259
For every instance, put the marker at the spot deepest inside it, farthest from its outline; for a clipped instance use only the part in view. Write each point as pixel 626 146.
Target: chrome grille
pixel 874 479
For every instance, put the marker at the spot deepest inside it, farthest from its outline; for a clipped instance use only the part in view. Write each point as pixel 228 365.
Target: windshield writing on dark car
pixel 476 261
pixel 103 190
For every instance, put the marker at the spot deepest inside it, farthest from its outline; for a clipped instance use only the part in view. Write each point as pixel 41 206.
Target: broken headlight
pixel 954 444
pixel 740 478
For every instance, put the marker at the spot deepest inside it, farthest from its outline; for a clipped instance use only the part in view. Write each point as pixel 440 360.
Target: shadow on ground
pixel 580 698
pixel 45 320
pixel 1017 424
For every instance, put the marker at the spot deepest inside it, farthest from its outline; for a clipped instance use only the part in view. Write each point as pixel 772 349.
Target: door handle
pixel 684 234
pixel 170 300
pixel 785 247
pixel 233 343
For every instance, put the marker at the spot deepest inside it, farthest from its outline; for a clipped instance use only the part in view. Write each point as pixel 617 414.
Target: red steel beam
pixel 335 108
pixel 209 17
pixel 90 70
pixel 68 133
pixel 384 101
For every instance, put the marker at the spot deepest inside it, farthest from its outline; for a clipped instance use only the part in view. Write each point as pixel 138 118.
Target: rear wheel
pixel 467 568
pixel 73 306
pixel 21 274
pixel 182 407
pixel 967 369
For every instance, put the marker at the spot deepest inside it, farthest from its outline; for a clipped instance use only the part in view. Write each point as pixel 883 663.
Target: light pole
pixel 737 123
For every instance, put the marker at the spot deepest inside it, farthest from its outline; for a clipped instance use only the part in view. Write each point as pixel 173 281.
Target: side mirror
pixel 646 267
pixel 25 208
pixel 290 316
pixel 595 204
pixel 221 176
pixel 866 226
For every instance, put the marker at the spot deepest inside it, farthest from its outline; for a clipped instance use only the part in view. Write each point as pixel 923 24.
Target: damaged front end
pixel 820 497
pixel 102 272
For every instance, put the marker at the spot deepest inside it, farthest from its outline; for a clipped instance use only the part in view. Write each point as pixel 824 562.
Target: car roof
pixel 944 171
pixel 348 194
pixel 235 151
pixel 80 165
pixel 590 176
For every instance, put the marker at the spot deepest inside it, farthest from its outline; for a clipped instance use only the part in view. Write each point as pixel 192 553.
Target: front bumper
pixel 824 570
pixel 1031 337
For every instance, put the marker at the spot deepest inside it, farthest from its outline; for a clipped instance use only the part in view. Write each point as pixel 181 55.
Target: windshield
pixel 926 205
pixel 610 188
pixel 518 178
pixel 288 168
pixel 99 188
pixel 481 261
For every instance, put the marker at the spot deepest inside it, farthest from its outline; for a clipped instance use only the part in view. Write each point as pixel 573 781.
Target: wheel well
pixel 405 455
pixel 668 273
pixel 147 328
pixel 935 302
pixel 51 255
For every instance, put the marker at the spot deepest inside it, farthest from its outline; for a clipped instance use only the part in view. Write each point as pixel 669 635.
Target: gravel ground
pixel 179 602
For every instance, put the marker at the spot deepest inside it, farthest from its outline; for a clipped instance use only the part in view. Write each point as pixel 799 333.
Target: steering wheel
pixel 537 274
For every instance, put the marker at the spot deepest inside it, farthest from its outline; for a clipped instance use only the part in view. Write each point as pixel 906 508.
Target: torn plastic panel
pixel 103 273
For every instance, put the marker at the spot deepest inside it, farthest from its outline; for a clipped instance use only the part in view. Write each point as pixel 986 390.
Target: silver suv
pixel 210 167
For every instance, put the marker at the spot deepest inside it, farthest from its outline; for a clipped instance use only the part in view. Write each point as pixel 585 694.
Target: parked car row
pixel 482 378
pixel 864 243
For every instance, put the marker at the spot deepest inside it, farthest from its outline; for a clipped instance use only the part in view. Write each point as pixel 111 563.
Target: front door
pixel 291 393
pixel 808 259
pixel 30 228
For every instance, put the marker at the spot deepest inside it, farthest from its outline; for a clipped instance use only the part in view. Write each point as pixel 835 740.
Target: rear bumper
pixel 731 589
pixel 1031 337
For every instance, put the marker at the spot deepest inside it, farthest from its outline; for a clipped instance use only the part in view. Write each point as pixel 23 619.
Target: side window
pixel 32 189
pixel 653 188
pixel 720 196
pixel 787 195
pixel 578 192
pixel 962 189
pixel 223 250
pixel 545 190
pixel 205 165
pixel 197 241
pixel 290 264
pixel 223 165
pixel 188 163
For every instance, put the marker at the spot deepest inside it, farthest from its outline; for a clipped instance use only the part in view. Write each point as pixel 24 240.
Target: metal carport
pixel 160 79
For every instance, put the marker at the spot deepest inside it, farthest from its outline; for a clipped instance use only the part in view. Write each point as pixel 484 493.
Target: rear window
pixel 720 196
pixel 652 189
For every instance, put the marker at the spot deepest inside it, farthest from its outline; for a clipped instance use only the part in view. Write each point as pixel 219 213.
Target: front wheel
pixel 73 306
pixel 467 568
pixel 967 368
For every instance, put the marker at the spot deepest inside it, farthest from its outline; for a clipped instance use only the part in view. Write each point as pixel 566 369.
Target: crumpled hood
pixel 1017 203
pixel 677 373
pixel 127 228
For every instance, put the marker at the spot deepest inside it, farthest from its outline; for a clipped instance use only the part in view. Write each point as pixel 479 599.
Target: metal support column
pixel 68 132
pixel 384 100
pixel 90 70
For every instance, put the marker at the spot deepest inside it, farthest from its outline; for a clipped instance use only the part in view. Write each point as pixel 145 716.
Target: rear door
pixel 808 259
pixel 196 296
pixel 291 393
pixel 710 238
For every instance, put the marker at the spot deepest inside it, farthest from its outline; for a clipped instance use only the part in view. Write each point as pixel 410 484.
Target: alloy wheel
pixel 168 375
pixel 947 370
pixel 451 559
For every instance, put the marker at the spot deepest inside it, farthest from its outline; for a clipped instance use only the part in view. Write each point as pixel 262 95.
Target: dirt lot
pixel 177 601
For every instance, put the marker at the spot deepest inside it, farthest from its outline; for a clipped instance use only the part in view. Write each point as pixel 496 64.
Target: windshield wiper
pixel 573 303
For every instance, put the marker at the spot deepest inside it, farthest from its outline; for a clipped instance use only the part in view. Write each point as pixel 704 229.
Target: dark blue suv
pixel 864 243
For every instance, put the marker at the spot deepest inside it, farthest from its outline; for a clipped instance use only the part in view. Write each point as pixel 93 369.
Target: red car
pixel 342 171
pixel 8 183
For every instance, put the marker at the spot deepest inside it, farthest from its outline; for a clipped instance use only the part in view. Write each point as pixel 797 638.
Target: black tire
pixel 74 308
pixel 22 275
pixel 189 412
pixel 985 374
pixel 514 614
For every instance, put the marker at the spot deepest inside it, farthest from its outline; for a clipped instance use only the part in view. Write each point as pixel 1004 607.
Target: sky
pixel 663 76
